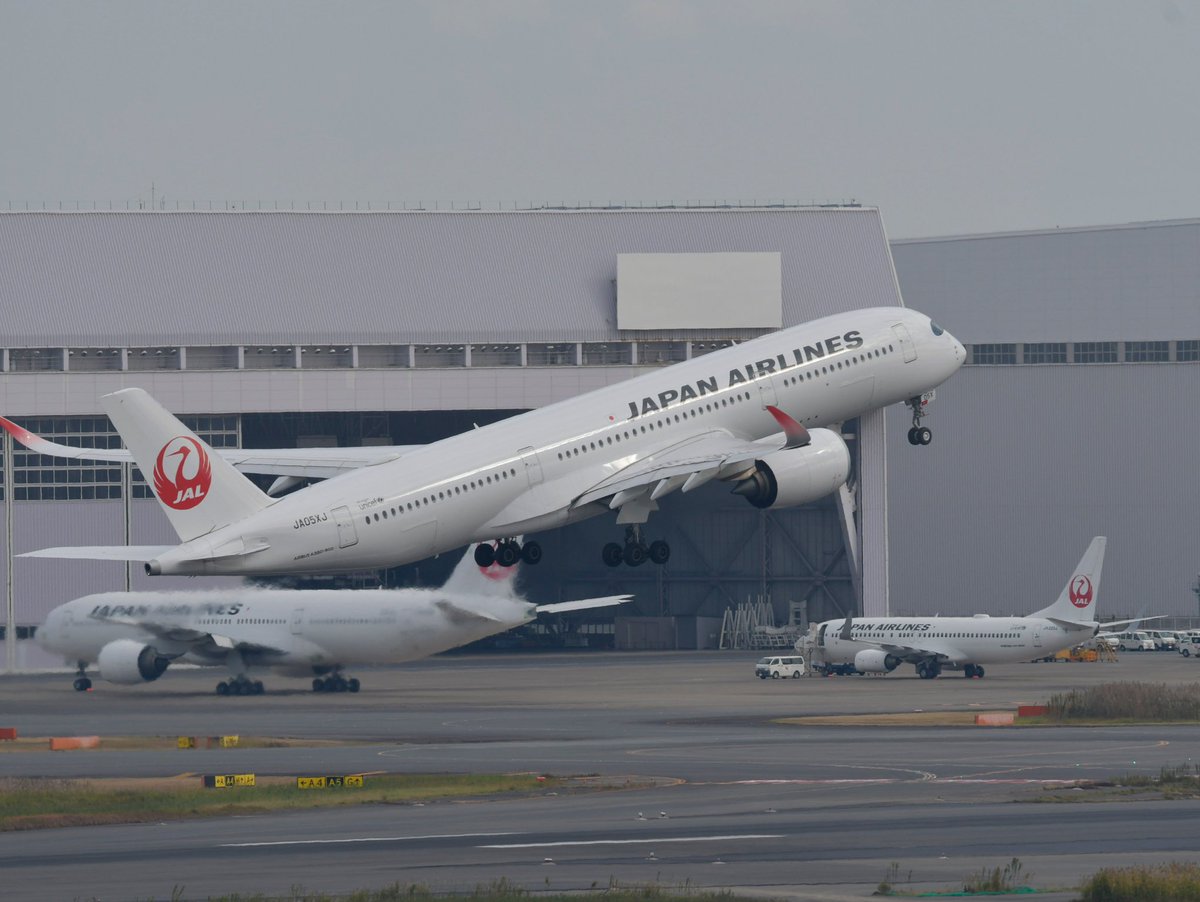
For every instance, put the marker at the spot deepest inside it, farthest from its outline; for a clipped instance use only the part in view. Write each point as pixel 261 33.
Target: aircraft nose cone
pixel 960 352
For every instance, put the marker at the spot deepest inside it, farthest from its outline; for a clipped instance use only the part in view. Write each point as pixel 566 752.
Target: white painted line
pixel 331 842
pixel 631 842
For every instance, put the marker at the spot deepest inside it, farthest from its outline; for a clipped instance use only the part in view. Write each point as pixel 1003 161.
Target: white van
pixel 1136 640
pixel 1164 640
pixel 780 667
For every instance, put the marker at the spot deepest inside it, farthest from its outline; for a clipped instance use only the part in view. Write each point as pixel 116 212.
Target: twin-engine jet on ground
pixel 622 448
pixel 880 645
pixel 134 636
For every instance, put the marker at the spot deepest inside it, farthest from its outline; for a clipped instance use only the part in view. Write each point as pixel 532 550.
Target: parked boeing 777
pixel 134 636
pixel 881 644
pixel 750 415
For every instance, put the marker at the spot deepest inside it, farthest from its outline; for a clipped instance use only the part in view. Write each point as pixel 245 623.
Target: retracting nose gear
pixel 918 434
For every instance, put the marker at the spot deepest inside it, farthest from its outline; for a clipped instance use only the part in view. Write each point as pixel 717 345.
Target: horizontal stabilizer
pixel 583 604
pixel 102 552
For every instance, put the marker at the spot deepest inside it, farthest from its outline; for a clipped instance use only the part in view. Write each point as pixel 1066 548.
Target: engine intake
pixel 875 660
pixel 793 476
pixel 127 661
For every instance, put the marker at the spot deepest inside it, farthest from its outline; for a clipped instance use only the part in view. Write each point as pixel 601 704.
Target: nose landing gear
pixel 918 434
pixel 635 552
pixel 82 683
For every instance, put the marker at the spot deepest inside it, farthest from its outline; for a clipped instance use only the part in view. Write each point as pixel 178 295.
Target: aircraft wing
pixel 1108 623
pixel 102 552
pixel 206 643
pixel 301 463
pixel 911 654
pixel 687 465
pixel 692 462
pixel 583 604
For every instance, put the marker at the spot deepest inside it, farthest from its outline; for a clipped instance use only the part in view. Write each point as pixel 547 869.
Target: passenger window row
pixel 434 498
pixel 710 407
pixel 825 370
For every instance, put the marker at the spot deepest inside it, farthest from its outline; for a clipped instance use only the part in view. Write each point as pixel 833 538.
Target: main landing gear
pixel 335 682
pixel 635 552
pixel 918 434
pixel 507 552
pixel 82 683
pixel 973 671
pixel 929 670
pixel 240 685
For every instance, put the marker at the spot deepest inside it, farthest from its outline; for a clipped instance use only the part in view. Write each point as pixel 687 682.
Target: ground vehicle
pixel 1164 640
pixel 1189 644
pixel 1136 640
pixel 777 666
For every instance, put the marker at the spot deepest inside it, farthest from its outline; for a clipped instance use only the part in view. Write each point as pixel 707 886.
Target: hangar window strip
pixel 1083 352
pixel 38 477
pixel 649 352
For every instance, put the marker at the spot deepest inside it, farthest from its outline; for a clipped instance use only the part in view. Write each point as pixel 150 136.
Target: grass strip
pixel 1173 882
pixel 496 891
pixel 34 803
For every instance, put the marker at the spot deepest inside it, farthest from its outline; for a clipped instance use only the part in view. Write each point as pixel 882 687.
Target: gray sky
pixel 951 116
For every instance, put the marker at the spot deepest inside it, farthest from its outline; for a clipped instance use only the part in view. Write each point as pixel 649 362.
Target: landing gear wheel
pixel 508 554
pixel 83 684
pixel 660 552
pixel 923 434
pixel 634 554
pixel 969 671
pixel 485 556
pixel 978 671
pixel 222 688
pixel 531 553
pixel 353 684
pixel 912 436
pixel 318 685
pixel 611 554
pixel 258 687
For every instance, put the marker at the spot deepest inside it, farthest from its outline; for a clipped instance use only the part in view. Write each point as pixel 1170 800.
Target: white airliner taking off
pixel 881 644
pixel 134 636
pixel 620 448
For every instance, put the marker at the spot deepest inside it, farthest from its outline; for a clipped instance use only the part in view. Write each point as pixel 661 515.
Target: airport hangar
pixel 276 329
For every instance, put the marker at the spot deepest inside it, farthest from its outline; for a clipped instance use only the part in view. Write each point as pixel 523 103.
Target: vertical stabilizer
pixel 198 489
pixel 469 578
pixel 1077 601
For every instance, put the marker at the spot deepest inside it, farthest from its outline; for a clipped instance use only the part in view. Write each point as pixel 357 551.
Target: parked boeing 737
pixel 749 414
pixel 134 636
pixel 881 644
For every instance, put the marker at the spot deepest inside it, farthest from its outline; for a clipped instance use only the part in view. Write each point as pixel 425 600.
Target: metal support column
pixel 10 613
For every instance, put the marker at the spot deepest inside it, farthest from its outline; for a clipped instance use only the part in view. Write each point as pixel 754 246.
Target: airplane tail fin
pixel 469 578
pixel 198 489
pixel 1077 601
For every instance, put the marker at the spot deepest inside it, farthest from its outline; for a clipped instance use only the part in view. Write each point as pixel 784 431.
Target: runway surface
pixel 810 812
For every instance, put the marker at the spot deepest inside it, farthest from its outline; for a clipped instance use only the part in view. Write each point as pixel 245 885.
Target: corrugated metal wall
pixel 230 278
pixel 1027 464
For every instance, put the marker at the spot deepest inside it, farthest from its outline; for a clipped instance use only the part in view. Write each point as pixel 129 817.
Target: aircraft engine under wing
pixel 794 476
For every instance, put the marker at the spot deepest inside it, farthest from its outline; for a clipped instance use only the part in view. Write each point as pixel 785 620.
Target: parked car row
pixel 1186 642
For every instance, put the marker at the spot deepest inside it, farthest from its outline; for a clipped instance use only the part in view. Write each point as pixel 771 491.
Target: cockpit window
pixel 937 330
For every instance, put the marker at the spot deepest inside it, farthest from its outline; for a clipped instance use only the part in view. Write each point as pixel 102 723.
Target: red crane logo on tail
pixel 1081 591
pixel 182 473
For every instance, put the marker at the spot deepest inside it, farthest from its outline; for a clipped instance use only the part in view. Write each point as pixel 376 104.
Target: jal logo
pixel 182 473
pixel 1081 591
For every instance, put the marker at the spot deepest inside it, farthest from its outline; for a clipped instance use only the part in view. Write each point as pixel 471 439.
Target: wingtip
pixel 20 433
pixel 797 435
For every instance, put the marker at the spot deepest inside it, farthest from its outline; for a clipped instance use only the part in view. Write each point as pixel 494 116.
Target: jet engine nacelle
pixel 794 476
pixel 875 660
pixel 128 661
